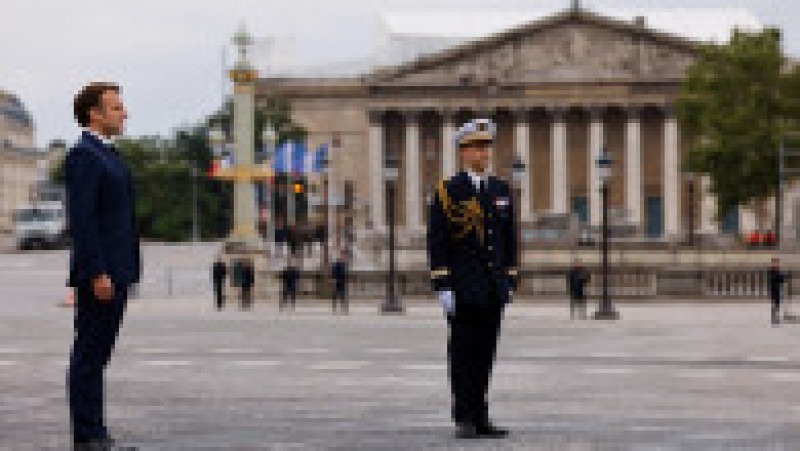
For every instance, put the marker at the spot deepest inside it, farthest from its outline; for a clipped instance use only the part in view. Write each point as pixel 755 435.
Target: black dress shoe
pixel 103 444
pixel 488 430
pixel 466 431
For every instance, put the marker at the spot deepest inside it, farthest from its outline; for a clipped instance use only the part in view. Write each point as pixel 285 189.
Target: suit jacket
pixel 100 209
pixel 480 263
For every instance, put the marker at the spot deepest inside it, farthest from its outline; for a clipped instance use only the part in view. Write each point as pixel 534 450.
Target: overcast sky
pixel 167 53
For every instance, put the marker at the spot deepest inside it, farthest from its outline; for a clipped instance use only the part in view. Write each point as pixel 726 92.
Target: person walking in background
pixel 104 259
pixel 248 280
pixel 289 277
pixel 219 272
pixel 577 279
pixel 776 280
pixel 339 271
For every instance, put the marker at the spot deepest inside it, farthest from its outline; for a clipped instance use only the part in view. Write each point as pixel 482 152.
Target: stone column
pixel 560 196
pixel 747 219
pixel 449 157
pixel 633 167
pixel 596 145
pixel 672 198
pixel 376 156
pixel 708 206
pixel 522 150
pixel 244 220
pixel 413 173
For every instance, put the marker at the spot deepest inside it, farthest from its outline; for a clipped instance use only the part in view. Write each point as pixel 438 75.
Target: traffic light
pixel 298 188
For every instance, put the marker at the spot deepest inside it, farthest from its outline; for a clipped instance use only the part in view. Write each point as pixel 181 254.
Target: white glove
pixel 448 302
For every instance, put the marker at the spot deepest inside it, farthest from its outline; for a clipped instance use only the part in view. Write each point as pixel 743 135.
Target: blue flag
pixel 319 157
pixel 290 158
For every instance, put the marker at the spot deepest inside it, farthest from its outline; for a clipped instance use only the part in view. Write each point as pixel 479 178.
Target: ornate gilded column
pixel 243 74
pixel 596 144
pixel 376 156
pixel 672 186
pixel 413 172
pixel 522 150
pixel 560 196
pixel 633 166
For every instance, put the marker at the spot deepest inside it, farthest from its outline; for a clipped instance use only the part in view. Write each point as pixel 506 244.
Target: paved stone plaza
pixel 667 376
pixel 185 377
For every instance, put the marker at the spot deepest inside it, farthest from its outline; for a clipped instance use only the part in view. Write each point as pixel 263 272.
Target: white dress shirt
pixel 477 179
pixel 107 141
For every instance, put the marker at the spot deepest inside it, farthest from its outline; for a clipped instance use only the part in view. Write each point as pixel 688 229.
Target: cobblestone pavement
pixel 187 377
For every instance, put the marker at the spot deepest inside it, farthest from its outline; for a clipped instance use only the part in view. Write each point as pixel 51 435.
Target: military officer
pixel 472 251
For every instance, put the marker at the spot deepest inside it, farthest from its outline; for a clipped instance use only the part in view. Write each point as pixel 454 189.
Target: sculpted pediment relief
pixel 568 52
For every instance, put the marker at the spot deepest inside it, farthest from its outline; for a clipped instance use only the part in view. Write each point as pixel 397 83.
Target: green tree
pixel 736 102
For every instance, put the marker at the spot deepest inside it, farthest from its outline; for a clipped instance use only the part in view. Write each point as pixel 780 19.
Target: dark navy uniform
pixel 473 253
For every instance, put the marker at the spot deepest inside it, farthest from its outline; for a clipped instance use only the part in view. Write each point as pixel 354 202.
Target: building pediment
pixel 568 47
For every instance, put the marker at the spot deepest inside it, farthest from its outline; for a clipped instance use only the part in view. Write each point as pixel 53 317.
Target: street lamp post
pixel 604 166
pixel 691 178
pixel 518 175
pixel 268 138
pixel 195 209
pixel 391 172
pixel 326 200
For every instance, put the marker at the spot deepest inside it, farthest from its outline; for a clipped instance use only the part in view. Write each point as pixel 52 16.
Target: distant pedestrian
pixel 219 272
pixel 577 279
pixel 339 271
pixel 289 277
pixel 248 281
pixel 776 281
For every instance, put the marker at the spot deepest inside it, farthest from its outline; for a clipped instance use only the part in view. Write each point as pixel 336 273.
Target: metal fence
pixel 623 282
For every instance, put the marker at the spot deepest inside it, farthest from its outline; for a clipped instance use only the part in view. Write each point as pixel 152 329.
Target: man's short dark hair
pixel 91 96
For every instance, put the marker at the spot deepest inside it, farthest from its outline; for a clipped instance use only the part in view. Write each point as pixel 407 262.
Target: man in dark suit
pixel 473 256
pixel 105 258
pixel 339 272
pixel 577 279
pixel 776 281
pixel 218 274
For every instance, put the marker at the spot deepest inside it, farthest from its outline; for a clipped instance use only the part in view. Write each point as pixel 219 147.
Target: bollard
pixel 169 281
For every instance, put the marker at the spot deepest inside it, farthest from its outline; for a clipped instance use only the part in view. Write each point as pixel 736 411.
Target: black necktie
pixel 483 196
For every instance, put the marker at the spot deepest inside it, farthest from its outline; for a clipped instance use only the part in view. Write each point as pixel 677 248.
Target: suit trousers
pixel 474 332
pixel 97 325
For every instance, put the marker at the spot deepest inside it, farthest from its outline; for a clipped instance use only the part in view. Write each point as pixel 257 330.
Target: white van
pixel 40 225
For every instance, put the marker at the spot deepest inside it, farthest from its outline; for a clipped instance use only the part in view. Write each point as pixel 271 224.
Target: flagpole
pixel 290 197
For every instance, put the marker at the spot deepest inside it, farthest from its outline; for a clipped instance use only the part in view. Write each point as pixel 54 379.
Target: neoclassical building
pixel 23 167
pixel 561 89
